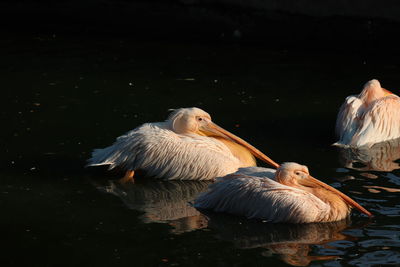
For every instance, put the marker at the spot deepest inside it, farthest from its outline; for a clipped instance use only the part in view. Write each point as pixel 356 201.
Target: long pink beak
pixel 219 131
pixel 347 199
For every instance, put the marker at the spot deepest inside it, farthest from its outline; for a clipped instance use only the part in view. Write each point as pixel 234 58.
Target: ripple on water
pixel 393 234
pixel 393 178
pixel 387 211
pixel 342 244
pixel 379 243
pixel 377 257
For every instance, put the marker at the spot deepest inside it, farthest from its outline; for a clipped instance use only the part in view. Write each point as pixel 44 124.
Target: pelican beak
pixel 387 92
pixel 347 199
pixel 211 129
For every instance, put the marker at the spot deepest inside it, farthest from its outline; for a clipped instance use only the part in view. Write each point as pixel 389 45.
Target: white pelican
pixel 289 194
pixel 371 117
pixel 187 146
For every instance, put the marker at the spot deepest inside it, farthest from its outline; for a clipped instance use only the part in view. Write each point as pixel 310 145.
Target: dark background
pixel 77 74
pixel 340 25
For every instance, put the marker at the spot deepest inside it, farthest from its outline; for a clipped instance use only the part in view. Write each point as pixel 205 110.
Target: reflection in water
pixel 169 202
pixel 380 157
pixel 292 242
pixel 162 201
pixel 373 189
pixel 64 104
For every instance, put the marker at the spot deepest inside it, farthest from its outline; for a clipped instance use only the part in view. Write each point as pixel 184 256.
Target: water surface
pixel 64 96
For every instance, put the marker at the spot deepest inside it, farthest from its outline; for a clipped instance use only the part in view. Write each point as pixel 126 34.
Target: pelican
pixel 289 194
pixel 187 146
pixel 371 117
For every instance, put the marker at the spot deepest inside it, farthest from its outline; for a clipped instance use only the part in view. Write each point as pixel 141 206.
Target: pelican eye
pixel 298 173
pixel 199 118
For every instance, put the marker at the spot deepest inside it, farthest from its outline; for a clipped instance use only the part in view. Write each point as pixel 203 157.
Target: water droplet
pixel 237 34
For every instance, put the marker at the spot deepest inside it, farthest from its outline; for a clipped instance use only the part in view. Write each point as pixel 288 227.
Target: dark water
pixel 64 96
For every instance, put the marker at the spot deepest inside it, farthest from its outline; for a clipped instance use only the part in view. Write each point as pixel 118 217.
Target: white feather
pixel 162 153
pixel 380 122
pixel 260 197
pixel 257 171
pixel 346 123
pixel 371 117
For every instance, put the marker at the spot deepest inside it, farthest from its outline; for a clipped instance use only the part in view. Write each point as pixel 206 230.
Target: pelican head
pixel 188 120
pixel 197 121
pixel 372 91
pixel 296 175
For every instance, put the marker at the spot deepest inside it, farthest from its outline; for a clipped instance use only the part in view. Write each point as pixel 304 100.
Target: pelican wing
pixel 380 122
pixel 347 120
pixel 162 153
pixel 261 198
pixel 257 171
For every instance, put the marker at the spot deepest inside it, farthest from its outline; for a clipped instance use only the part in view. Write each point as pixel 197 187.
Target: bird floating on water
pixel 187 146
pixel 371 117
pixel 289 194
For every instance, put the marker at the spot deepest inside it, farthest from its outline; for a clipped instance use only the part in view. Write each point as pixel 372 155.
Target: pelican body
pixel 371 117
pixel 289 194
pixel 187 146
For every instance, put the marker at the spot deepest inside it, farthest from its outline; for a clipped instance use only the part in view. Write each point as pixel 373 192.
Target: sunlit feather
pixel 186 147
pixel 371 117
pixel 286 195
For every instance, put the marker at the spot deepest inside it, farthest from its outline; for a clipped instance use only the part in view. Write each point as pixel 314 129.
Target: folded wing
pixel 348 120
pixel 165 154
pixel 261 198
pixel 379 122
